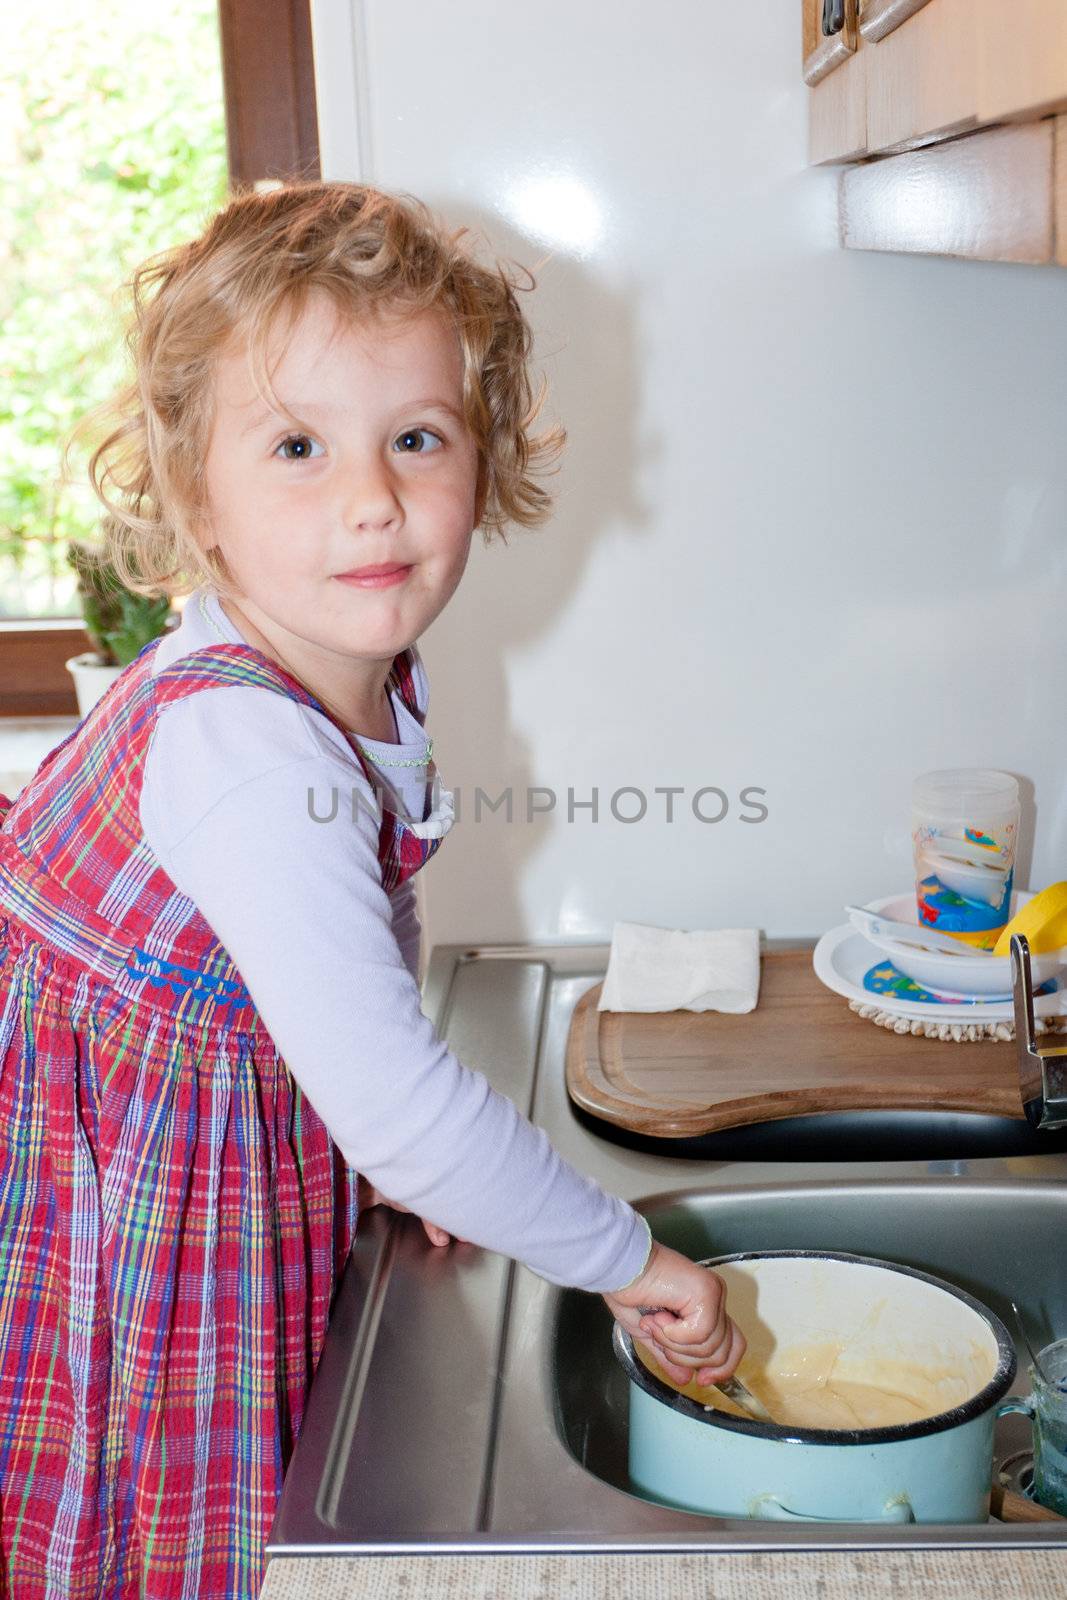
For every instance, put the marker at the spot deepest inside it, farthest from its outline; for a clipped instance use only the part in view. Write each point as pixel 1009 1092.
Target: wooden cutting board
pixel 677 1074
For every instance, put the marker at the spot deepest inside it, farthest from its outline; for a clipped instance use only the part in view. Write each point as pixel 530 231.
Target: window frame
pixel 268 83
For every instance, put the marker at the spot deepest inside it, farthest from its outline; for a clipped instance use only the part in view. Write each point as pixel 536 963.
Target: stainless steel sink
pixel 836 1136
pixel 995 1242
pixel 462 1403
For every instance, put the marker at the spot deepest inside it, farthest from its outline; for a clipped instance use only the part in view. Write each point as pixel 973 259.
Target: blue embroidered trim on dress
pixel 159 972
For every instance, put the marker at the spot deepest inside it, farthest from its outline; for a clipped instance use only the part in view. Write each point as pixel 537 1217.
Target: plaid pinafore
pixel 173 1212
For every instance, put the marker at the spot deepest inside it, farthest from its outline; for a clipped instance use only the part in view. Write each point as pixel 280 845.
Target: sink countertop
pixel 453 1483
pixel 779 1575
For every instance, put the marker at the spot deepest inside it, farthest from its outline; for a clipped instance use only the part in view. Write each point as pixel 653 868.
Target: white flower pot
pixel 91 679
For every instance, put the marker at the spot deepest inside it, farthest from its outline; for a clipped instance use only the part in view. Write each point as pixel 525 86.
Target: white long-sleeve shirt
pixel 234 779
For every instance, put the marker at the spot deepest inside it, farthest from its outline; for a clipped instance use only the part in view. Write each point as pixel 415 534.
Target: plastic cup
pixel 1046 1406
pixel 1050 1428
pixel 965 826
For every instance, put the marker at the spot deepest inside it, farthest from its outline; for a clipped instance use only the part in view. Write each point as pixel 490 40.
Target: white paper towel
pixel 670 969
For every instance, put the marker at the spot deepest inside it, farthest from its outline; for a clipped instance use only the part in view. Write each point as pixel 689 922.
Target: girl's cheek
pixel 459 497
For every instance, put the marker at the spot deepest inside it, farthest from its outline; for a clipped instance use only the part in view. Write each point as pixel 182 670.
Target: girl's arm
pixel 407 930
pixel 299 905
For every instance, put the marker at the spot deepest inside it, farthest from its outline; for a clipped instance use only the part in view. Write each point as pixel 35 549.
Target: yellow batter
pixel 804 1389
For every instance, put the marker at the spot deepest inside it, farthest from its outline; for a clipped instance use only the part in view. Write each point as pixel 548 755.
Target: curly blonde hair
pixel 261 255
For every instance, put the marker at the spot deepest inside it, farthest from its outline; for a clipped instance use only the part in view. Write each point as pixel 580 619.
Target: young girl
pixel 210 1019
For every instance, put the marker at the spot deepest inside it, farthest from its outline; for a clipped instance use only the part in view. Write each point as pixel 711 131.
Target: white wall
pixel 811 527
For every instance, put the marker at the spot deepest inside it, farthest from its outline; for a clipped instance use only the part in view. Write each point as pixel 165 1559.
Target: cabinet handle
pixel 833 16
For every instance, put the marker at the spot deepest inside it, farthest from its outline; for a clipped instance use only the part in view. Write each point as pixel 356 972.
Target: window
pixel 122 125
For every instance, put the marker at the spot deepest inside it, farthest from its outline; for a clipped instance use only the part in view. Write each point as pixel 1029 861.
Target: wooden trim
pixel 34 681
pixel 986 197
pixel 820 54
pixel 879 17
pixel 268 80
pixel 269 85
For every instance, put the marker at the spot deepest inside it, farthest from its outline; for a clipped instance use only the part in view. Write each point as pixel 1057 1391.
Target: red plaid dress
pixel 173 1213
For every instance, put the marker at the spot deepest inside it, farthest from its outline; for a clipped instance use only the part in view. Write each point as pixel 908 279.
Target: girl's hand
pixel 369 1196
pixel 689 1334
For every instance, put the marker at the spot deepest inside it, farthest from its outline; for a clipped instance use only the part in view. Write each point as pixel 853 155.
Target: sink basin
pixel 489 1401
pixel 993 1242
pixel 850 1136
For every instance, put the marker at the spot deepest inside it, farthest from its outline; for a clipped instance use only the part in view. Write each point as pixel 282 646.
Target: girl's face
pixel 382 469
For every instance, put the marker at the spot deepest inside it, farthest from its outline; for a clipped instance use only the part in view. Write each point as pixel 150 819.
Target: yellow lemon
pixel 1043 920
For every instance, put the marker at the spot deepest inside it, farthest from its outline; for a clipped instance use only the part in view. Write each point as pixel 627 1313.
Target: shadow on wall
pixel 511 593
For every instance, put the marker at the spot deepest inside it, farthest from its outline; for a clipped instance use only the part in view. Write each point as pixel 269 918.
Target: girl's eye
pixel 298 439
pixel 409 442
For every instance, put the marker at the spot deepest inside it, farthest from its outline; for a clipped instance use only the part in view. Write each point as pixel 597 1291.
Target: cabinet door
pixel 1023 58
pixel 829 36
pixel 922 78
pixel 834 71
pixel 879 17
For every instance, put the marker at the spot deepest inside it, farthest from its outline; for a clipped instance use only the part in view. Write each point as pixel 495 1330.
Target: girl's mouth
pixel 380 577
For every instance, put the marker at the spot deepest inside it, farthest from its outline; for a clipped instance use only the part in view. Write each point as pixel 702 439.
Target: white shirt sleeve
pixel 230 779
pixel 407 930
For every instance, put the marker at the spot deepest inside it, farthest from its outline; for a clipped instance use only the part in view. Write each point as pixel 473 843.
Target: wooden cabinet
pixel 918 98
pixel 922 78
pixel 903 73
pixel 1023 58
pixel 879 17
pixel 837 122
pixel 834 73
pixel 989 197
pixel 830 34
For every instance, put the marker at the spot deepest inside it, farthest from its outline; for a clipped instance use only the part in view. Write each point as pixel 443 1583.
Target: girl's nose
pixel 371 499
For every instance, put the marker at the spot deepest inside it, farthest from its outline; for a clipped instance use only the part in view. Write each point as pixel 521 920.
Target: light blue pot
pixel 935 1470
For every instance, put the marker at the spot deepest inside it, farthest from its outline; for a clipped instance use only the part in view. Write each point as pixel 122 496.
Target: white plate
pixel 842 957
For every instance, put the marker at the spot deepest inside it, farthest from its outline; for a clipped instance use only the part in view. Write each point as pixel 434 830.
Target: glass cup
pixel 964 829
pixel 1046 1405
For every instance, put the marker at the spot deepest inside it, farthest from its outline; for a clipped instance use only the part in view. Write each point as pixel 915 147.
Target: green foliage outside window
pixel 112 146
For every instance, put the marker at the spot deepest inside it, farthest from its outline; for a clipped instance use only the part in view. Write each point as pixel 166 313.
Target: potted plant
pixel 119 623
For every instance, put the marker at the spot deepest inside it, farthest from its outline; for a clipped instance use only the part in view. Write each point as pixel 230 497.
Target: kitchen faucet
pixel 1042 1073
